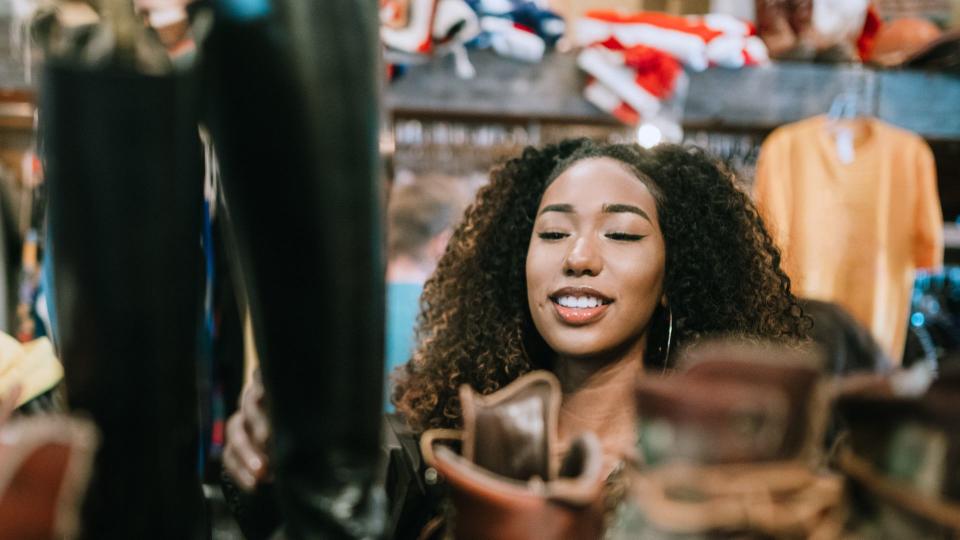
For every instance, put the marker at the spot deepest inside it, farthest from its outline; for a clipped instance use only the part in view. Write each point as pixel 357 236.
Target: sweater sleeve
pixel 928 217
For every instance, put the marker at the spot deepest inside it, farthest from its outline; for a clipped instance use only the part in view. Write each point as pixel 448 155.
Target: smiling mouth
pixel 579 308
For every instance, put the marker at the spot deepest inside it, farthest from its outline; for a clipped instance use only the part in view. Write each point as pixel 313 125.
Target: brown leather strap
pixel 431 436
pixel 432 528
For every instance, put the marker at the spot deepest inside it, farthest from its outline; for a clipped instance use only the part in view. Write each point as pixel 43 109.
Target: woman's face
pixel 595 263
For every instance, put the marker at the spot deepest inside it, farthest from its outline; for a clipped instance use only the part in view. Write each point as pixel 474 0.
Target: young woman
pixel 592 261
pixel 648 239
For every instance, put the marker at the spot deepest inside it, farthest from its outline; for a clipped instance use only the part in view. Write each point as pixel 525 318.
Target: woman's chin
pixel 584 346
pixel 591 352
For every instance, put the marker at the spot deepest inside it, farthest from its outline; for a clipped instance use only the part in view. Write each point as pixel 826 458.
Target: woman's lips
pixel 580 316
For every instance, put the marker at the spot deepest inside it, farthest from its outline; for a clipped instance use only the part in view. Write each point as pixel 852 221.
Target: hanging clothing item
pixel 853 231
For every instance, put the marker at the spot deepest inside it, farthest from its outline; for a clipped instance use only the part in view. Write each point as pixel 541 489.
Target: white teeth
pixel 579 302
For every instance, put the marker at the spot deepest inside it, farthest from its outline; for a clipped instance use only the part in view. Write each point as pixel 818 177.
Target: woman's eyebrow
pixel 616 208
pixel 565 208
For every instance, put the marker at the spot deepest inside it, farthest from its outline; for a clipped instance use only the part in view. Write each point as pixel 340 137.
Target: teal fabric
pixel 403 304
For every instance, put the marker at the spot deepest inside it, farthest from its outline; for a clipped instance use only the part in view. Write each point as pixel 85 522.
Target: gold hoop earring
pixel 666 354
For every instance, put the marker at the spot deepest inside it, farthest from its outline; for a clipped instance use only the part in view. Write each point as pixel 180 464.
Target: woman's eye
pixel 624 236
pixel 552 235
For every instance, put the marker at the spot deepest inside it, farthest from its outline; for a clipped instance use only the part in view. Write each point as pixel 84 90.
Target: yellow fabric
pixel 853 233
pixel 32 365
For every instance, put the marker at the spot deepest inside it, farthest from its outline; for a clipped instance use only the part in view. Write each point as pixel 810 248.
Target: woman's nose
pixel 583 259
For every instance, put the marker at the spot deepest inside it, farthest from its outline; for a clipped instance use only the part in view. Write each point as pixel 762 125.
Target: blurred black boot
pixel 124 169
pixel 293 110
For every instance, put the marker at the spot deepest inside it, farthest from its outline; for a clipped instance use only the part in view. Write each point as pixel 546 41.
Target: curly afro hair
pixel 722 274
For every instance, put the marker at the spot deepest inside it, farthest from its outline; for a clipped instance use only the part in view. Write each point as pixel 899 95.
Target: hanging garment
pixel 854 232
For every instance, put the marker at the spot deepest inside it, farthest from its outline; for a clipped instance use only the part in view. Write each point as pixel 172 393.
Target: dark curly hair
pixel 722 274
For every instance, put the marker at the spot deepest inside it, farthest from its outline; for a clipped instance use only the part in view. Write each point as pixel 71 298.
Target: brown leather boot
pixel 729 446
pixel 45 464
pixel 506 481
pixel 904 457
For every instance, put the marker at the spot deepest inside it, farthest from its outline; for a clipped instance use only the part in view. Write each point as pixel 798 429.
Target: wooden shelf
pixel 749 99
pixel 503 89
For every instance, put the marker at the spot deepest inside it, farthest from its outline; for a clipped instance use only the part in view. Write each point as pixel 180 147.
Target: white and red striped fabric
pixel 606 100
pixel 697 41
pixel 634 61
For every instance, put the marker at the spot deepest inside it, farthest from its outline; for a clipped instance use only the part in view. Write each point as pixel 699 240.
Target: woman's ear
pixel 663 300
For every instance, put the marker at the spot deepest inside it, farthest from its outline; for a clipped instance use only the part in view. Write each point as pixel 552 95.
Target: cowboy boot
pixel 507 481
pixel 904 458
pixel 45 465
pixel 728 446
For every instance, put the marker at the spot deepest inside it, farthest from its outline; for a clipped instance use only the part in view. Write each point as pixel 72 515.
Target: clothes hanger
pixel 846 106
pixel 843 110
pixel 847 109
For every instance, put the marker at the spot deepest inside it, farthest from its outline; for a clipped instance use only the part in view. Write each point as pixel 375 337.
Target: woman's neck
pixel 600 399
pixel 577 373
pixel 598 390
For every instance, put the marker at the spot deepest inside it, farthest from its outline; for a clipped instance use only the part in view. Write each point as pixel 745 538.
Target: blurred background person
pixel 421 212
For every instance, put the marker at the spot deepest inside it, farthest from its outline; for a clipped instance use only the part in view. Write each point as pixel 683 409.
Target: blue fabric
pixel 403 304
pixel 46 284
pixel 244 10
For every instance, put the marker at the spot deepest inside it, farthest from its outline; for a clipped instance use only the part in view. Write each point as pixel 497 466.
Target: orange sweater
pixel 853 233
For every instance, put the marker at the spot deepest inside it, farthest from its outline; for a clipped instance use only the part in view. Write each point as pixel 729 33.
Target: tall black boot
pixel 293 111
pixel 124 169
